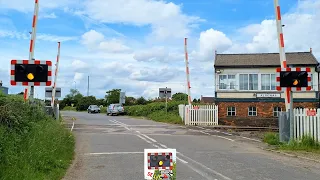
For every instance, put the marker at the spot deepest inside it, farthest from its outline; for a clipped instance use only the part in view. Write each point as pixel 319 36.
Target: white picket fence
pixel 199 115
pixel 306 122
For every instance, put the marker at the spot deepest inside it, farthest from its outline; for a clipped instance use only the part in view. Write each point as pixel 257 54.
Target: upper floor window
pixel 268 82
pixel 227 81
pixel 248 82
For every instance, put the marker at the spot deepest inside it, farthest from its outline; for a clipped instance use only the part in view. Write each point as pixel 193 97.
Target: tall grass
pixel 306 143
pixel 32 144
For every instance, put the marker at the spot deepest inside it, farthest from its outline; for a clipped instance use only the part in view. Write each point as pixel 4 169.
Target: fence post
pixel 284 126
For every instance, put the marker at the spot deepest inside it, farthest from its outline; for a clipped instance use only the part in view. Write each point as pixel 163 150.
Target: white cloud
pixel 28 5
pixel 78 77
pixel 166 19
pixel 48 16
pixel 40 36
pixel 96 41
pixel 163 74
pixel 78 65
pixel 159 54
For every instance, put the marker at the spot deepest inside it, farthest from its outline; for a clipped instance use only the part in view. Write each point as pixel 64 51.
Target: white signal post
pixel 33 38
pixel 283 61
pixel 55 77
pixel 187 71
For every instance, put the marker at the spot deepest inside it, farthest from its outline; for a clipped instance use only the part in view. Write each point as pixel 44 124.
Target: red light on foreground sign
pixel 311 112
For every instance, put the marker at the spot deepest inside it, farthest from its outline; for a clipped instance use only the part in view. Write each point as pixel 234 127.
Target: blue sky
pixel 137 45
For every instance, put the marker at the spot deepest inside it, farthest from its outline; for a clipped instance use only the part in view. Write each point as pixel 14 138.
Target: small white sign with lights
pixel 159 159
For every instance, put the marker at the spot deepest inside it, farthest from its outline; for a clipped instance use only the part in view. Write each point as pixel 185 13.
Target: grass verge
pixel 69 108
pixel 306 144
pixel 32 144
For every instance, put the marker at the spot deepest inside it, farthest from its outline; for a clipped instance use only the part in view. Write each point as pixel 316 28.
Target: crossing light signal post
pixel 293 79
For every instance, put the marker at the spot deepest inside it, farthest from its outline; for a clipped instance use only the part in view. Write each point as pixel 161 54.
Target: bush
pixel 271 138
pixel 69 108
pixel 156 111
pixel 32 144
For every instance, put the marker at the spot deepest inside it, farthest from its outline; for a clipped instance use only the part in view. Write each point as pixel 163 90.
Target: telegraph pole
pixel 88 87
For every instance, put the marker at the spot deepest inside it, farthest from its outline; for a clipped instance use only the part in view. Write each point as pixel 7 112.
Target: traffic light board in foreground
pixel 31 73
pixel 298 79
pixel 161 160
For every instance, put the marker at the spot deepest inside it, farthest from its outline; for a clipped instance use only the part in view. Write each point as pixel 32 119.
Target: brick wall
pixel 264 113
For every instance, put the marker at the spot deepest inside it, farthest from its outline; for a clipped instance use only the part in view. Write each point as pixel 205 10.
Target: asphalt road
pixel 111 148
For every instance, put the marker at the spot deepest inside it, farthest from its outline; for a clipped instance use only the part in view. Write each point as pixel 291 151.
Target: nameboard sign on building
pixel 268 95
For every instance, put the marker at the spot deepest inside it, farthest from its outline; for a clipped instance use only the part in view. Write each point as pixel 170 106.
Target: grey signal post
pixel 165 92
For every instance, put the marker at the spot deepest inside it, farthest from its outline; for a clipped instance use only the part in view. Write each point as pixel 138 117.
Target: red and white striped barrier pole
pixel 282 53
pixel 187 71
pixel 33 38
pixel 55 77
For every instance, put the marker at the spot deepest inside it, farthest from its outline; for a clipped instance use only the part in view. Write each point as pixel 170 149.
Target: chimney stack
pixel 310 50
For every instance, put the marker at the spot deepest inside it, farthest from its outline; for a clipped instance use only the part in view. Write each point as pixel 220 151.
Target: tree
pixel 141 101
pixel 72 98
pixel 130 101
pixel 85 102
pixel 113 96
pixel 180 96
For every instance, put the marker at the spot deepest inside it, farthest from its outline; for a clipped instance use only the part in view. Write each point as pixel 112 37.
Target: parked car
pixel 93 109
pixel 115 109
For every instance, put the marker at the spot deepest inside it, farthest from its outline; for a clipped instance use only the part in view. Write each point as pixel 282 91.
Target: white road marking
pixel 127 128
pixel 72 126
pixel 143 138
pixel 111 153
pixel 185 162
pixel 156 146
pixel 153 140
pixel 250 139
pixel 223 138
pixel 163 145
pixel 227 133
pixel 205 167
pixel 216 136
pixel 93 128
pixel 205 133
pixel 191 167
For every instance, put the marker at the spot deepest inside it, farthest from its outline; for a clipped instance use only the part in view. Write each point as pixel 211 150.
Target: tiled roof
pixel 264 59
pixel 207 99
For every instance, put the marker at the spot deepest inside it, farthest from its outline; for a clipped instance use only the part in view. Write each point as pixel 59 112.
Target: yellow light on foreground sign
pixel 160 163
pixel 295 82
pixel 30 76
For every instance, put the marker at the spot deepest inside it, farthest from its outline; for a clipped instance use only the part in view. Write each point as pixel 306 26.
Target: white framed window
pixel 252 111
pixel 248 81
pixel 276 111
pixel 268 82
pixel 231 111
pixel 227 81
